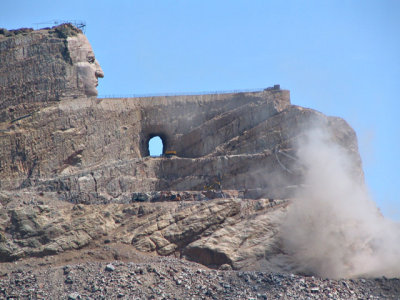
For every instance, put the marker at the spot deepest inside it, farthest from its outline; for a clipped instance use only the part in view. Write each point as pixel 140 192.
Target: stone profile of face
pixel 87 67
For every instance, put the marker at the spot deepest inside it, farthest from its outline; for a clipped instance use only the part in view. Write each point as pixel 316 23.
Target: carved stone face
pixel 87 68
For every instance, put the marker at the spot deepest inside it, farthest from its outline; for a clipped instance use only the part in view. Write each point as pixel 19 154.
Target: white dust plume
pixel 333 228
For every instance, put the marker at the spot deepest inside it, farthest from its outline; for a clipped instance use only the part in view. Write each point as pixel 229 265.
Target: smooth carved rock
pixel 87 68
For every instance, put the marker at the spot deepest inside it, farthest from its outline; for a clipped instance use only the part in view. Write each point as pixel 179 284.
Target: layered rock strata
pixel 96 150
pixel 240 233
pixel 218 201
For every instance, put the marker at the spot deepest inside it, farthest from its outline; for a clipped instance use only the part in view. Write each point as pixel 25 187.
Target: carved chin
pixel 87 79
pixel 90 90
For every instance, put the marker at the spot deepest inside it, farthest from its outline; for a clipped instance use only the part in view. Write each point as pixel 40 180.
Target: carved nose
pixel 99 73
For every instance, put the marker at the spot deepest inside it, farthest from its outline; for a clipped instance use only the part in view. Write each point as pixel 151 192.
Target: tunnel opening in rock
pixel 156 146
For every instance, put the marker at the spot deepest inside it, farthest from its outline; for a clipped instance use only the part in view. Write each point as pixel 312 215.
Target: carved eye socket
pixel 90 59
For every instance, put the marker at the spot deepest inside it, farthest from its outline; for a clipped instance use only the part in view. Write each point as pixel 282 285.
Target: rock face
pixel 213 232
pixel 218 201
pixel 41 67
pixel 96 150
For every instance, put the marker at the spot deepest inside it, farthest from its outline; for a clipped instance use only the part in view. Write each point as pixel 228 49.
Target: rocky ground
pixel 113 252
pixel 85 274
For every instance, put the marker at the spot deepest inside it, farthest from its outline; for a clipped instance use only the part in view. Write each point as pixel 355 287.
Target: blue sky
pixel 339 57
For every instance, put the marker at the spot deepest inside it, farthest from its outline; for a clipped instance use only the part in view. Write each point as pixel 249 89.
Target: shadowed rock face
pixel 57 142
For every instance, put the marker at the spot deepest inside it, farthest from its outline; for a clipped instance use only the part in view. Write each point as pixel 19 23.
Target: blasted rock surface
pixel 96 150
pixel 75 170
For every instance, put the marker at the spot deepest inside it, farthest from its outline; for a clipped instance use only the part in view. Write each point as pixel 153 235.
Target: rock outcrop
pixel 96 150
pixel 75 170
pixel 212 232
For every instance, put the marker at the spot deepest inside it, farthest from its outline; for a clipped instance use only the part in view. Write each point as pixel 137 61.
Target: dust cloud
pixel 333 228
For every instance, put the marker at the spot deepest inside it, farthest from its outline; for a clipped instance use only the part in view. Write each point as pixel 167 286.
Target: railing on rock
pixel 149 95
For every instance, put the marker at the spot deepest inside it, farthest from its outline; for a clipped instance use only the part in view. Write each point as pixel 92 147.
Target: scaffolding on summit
pixel 77 23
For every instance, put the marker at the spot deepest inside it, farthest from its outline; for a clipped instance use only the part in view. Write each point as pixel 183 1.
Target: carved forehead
pixel 79 48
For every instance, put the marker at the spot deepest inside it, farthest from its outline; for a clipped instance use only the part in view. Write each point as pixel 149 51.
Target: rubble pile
pixel 169 278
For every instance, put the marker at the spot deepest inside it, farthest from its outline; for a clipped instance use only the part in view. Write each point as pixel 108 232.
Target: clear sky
pixel 339 57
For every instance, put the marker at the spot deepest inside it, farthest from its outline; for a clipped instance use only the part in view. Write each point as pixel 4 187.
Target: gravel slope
pixel 149 277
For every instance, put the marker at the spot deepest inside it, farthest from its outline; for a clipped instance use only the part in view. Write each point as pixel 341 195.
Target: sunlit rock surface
pixel 75 170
